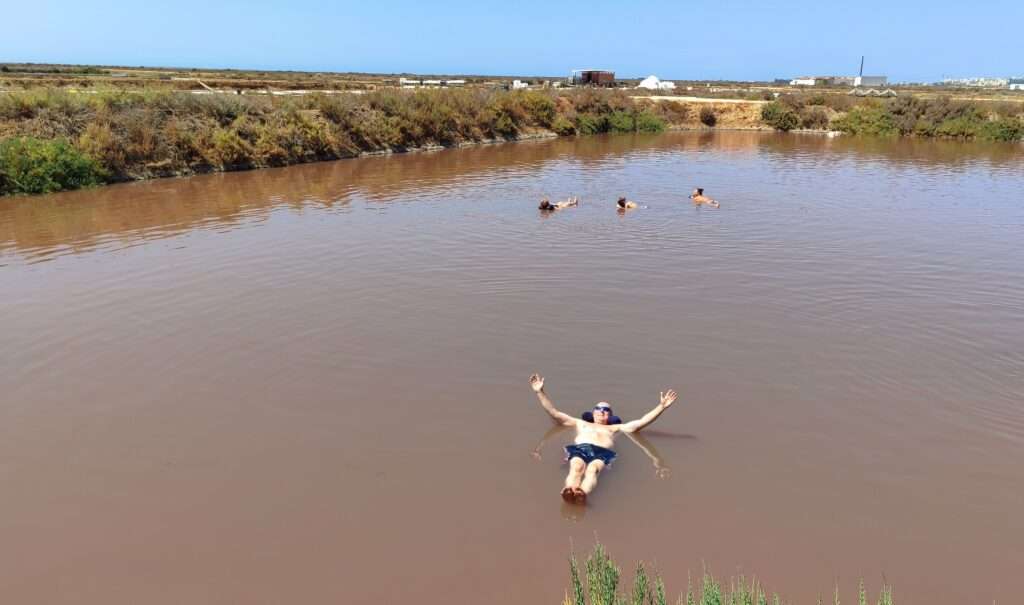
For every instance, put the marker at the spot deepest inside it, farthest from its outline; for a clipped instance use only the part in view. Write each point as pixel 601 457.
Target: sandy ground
pixel 703 100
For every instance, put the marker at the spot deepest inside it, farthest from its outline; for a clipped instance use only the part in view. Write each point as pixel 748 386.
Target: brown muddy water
pixel 309 385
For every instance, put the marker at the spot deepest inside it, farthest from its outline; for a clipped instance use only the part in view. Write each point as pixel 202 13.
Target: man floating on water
pixel 595 436
pixel 699 199
pixel 547 206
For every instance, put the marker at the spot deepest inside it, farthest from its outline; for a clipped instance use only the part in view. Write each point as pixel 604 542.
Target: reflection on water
pixel 40 227
pixel 298 385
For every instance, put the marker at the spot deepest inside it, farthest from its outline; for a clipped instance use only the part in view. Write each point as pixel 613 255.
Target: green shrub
pixel 707 116
pixel 649 122
pixel 621 121
pixel 779 116
pixel 591 124
pixel 1002 129
pixel 507 114
pixel 540 108
pixel 962 127
pixel 563 126
pixel 228 150
pixel 867 120
pixel 29 165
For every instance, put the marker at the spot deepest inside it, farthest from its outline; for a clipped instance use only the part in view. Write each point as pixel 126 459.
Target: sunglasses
pixel 605 410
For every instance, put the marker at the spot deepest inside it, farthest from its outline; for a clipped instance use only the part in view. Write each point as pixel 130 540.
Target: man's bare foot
pixel 568 494
pixel 579 496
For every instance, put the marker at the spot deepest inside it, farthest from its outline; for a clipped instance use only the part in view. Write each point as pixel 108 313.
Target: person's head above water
pixel 545 205
pixel 602 414
pixel 621 202
pixel 700 191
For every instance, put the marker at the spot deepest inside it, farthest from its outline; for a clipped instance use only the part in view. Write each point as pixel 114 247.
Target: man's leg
pixel 573 479
pixel 590 476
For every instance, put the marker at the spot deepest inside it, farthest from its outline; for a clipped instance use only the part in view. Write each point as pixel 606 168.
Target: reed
pixel 602 581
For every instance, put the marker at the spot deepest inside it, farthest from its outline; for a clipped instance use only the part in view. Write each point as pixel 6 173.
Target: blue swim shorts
pixel 589 452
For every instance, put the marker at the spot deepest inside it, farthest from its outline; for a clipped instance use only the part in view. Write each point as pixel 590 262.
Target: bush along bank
pixel 899 116
pixel 52 139
pixel 598 583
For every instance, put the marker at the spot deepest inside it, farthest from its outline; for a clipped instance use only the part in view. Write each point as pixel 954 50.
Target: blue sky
pixel 908 41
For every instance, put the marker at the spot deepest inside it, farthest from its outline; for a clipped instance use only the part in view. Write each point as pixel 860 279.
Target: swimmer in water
pixel 624 204
pixel 699 199
pixel 595 436
pixel 549 207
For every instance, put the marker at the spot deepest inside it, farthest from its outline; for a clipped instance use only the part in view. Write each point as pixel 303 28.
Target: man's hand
pixel 537 383
pixel 667 398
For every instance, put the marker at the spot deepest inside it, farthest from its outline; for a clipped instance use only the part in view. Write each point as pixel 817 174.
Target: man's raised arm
pixel 537 383
pixel 667 399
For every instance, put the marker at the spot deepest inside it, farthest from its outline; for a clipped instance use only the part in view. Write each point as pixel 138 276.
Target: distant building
pixel 1016 83
pixel 870 81
pixel 592 77
pixel 519 84
pixel 978 82
pixel 414 83
pixel 803 82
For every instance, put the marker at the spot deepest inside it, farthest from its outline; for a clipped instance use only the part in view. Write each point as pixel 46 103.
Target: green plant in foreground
pixel 29 165
pixel 602 578
pixel 603 575
pixel 577 585
pixel 641 586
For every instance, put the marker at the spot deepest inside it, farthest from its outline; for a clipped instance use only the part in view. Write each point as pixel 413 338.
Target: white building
pixel 803 82
pixel 870 81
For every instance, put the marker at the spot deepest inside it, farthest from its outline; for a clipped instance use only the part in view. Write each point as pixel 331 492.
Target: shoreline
pixel 523 138
pixel 51 140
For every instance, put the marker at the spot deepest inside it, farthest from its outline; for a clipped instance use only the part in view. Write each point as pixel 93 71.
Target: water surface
pixel 309 384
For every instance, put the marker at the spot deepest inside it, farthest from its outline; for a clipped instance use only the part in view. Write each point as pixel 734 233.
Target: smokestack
pixel 861 66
